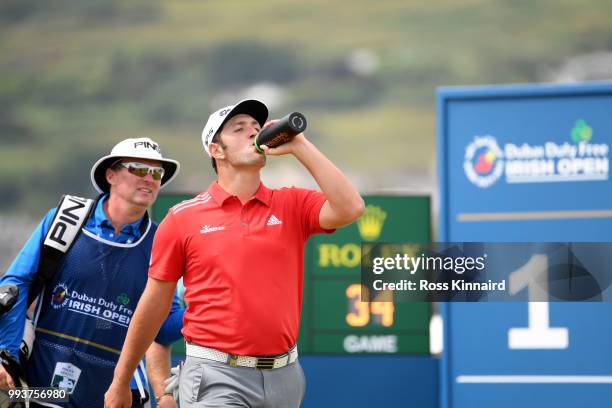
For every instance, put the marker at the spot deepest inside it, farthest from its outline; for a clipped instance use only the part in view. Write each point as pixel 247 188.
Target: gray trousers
pixel 206 383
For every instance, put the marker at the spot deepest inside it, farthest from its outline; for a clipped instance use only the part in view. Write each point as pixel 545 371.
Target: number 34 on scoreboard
pixel 361 310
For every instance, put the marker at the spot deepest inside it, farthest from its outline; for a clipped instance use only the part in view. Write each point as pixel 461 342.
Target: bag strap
pixel 71 215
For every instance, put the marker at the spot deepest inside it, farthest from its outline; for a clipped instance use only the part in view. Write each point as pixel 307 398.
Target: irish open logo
pixel 483 163
pixel 59 296
pixel 577 159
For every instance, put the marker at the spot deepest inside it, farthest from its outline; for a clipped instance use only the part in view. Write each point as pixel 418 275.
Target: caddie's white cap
pixel 142 148
pixel 258 110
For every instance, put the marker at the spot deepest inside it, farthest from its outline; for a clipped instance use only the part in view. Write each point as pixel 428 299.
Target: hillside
pixel 76 77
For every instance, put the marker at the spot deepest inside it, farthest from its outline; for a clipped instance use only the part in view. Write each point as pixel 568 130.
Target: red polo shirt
pixel 242 266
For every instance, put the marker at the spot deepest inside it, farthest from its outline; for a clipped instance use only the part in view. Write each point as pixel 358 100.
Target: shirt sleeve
pixel 309 204
pixel 21 273
pixel 171 328
pixel 167 254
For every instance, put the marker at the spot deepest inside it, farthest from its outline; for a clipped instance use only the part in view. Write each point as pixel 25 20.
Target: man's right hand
pixel 6 381
pixel 118 396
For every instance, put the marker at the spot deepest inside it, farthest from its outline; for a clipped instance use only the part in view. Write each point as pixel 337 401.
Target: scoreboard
pixel 336 318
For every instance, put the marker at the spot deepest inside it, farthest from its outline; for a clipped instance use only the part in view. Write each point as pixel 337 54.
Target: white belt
pixel 260 362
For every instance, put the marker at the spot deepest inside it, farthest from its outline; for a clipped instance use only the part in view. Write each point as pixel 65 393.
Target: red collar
pixel 263 194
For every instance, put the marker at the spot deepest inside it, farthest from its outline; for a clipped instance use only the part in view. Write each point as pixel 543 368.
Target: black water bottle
pixel 281 132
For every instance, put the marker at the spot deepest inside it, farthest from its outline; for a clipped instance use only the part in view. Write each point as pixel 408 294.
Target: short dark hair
pixel 216 139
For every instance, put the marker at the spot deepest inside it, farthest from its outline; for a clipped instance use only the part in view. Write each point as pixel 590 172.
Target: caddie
pixel 88 282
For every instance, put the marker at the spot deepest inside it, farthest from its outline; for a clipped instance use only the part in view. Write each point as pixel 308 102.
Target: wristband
pixel 157 399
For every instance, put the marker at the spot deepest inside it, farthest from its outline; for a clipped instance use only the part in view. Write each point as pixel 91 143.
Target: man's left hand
pixel 167 401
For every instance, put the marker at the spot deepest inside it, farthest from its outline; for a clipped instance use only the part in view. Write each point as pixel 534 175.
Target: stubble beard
pixel 250 160
pixel 137 199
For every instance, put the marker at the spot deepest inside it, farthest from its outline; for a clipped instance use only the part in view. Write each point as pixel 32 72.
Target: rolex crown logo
pixel 371 222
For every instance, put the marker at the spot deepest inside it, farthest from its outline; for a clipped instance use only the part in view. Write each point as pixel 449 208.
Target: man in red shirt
pixel 239 247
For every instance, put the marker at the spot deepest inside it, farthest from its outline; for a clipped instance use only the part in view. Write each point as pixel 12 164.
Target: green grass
pixel 72 84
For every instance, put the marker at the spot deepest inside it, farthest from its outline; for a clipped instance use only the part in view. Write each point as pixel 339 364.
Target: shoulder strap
pixel 71 215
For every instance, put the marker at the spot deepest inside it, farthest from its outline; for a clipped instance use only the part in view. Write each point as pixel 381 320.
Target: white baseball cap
pixel 142 148
pixel 254 108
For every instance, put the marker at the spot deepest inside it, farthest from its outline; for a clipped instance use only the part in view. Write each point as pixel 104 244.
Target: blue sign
pixel 526 164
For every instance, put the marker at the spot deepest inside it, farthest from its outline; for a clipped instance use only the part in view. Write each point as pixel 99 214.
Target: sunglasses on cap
pixel 141 169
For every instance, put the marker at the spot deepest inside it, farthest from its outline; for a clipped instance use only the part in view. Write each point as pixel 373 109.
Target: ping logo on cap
pixel 225 112
pixel 147 145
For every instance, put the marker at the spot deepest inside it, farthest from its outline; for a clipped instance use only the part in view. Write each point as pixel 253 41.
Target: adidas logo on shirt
pixel 273 220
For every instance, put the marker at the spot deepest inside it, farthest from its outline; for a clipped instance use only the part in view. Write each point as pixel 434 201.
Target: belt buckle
pixel 265 363
pixel 233 360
